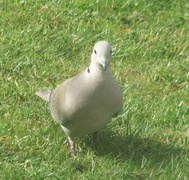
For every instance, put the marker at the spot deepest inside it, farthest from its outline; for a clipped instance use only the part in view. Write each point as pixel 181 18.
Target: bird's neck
pixel 97 68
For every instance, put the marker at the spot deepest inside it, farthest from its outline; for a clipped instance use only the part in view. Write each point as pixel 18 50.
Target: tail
pixel 45 95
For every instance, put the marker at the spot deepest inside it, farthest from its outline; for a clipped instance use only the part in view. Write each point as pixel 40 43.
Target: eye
pixel 95 52
pixel 110 51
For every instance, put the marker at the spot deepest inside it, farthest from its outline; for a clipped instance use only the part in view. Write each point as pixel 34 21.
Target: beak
pixel 103 62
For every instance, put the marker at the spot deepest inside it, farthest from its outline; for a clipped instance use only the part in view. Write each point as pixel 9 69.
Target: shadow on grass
pixel 136 149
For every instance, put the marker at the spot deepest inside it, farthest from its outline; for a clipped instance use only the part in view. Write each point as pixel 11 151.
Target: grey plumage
pixel 86 102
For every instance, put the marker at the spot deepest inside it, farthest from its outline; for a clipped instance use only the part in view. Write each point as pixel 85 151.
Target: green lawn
pixel 42 43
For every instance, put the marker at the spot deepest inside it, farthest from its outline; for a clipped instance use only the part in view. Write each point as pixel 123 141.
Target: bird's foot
pixel 72 145
pixel 96 137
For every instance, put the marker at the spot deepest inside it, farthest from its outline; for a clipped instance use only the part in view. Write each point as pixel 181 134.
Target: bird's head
pixel 102 54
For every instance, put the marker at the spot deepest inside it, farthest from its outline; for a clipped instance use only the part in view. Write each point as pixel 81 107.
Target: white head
pixel 101 54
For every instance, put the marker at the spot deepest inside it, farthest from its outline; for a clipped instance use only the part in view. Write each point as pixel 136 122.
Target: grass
pixel 45 42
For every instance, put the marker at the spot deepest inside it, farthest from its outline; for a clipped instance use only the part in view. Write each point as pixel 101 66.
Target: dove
pixel 86 103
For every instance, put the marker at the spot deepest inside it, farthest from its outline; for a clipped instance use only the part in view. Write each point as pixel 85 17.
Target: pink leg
pixel 96 137
pixel 72 145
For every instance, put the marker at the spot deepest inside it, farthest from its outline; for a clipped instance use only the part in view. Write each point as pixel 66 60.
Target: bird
pixel 86 102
